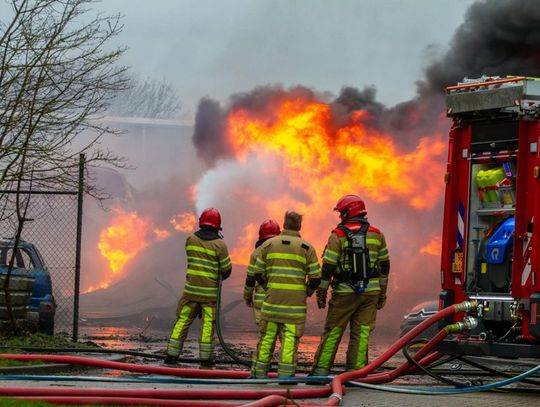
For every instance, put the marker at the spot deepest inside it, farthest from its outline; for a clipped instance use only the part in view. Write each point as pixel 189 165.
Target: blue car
pixel 28 262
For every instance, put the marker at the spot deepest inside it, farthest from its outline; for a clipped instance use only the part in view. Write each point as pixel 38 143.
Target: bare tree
pixel 58 74
pixel 147 98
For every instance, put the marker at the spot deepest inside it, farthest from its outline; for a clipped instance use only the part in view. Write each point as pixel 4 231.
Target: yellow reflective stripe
pixel 286 275
pixel 268 341
pixel 343 288
pixel 331 253
pixel 198 290
pixel 200 249
pixel 286 256
pixel 361 357
pixel 373 285
pixel 314 267
pixel 201 265
pixel 330 256
pixel 281 313
pixel 373 242
pixel 278 268
pixel 283 310
pixel 329 348
pixel 251 270
pixel 191 272
pixel 284 286
pixel 225 263
pixel 286 364
pixel 207 328
pixel 259 264
pixel 200 260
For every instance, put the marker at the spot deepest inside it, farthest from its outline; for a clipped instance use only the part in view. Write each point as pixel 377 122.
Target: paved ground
pixel 354 397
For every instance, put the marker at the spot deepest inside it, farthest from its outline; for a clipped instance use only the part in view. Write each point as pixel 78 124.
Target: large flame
pixel 354 157
pixel 321 163
pixel 122 241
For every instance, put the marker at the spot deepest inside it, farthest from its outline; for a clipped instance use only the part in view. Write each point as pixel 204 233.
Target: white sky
pixel 218 47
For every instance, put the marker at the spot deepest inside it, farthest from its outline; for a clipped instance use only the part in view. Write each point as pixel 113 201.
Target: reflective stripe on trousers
pixel 186 313
pixel 206 340
pixel 269 332
pixel 360 311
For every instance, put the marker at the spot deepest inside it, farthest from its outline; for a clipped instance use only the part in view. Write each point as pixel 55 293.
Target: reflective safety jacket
pixel 259 290
pixel 286 262
pixel 334 253
pixel 206 260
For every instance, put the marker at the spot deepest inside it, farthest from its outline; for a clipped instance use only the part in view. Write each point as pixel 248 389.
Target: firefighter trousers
pixel 360 310
pixel 186 313
pixel 289 334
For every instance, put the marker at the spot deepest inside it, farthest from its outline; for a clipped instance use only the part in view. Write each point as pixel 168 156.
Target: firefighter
pixel 356 263
pixel 254 293
pixel 207 262
pixel 288 267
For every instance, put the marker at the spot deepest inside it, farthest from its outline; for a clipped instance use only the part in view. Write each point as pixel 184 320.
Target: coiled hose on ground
pixel 423 357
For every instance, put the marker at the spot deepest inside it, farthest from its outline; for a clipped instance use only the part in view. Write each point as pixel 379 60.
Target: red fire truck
pixel 490 246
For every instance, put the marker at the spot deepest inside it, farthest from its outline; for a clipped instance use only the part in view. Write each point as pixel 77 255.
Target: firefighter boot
pixel 207 364
pixel 170 360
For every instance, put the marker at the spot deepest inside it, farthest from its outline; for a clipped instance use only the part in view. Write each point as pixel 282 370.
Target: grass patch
pixel 9 402
pixel 15 344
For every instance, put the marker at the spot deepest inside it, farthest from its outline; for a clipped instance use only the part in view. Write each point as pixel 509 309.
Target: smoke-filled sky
pixel 216 48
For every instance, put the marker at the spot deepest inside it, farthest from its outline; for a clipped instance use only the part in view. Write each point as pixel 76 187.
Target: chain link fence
pixel 53 223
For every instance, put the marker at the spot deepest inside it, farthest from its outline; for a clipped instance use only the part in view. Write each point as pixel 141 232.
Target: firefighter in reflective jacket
pixel 207 261
pixel 289 268
pixel 358 290
pixel 269 228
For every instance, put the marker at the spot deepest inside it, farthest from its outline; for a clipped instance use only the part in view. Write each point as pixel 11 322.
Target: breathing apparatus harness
pixel 354 264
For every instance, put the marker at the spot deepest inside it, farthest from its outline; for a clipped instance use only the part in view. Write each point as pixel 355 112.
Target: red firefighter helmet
pixel 210 217
pixel 269 228
pixel 350 206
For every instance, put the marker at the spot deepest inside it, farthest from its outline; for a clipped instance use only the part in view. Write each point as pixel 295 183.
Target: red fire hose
pixel 185 394
pixel 132 367
pixel 267 397
pixel 337 383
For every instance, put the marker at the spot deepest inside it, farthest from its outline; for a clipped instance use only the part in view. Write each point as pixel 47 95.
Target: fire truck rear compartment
pixel 492 122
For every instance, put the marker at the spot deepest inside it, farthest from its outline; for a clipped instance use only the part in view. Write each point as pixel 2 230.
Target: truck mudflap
pixel 483 348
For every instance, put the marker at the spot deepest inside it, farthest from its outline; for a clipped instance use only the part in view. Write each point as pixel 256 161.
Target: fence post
pixel 78 249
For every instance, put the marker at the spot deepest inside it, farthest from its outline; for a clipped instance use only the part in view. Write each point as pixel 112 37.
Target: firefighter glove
pixel 382 301
pixel 321 298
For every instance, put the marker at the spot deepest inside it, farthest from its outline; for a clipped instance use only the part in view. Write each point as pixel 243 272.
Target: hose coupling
pixel 466 306
pixel 339 397
pixel 468 323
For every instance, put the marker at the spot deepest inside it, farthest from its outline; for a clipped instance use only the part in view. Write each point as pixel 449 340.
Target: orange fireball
pixel 126 237
pixel 184 222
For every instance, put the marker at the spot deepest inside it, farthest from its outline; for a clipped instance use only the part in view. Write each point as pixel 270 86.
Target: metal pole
pixel 78 249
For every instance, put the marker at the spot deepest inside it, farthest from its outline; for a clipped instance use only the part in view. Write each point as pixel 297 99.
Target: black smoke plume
pixel 497 38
